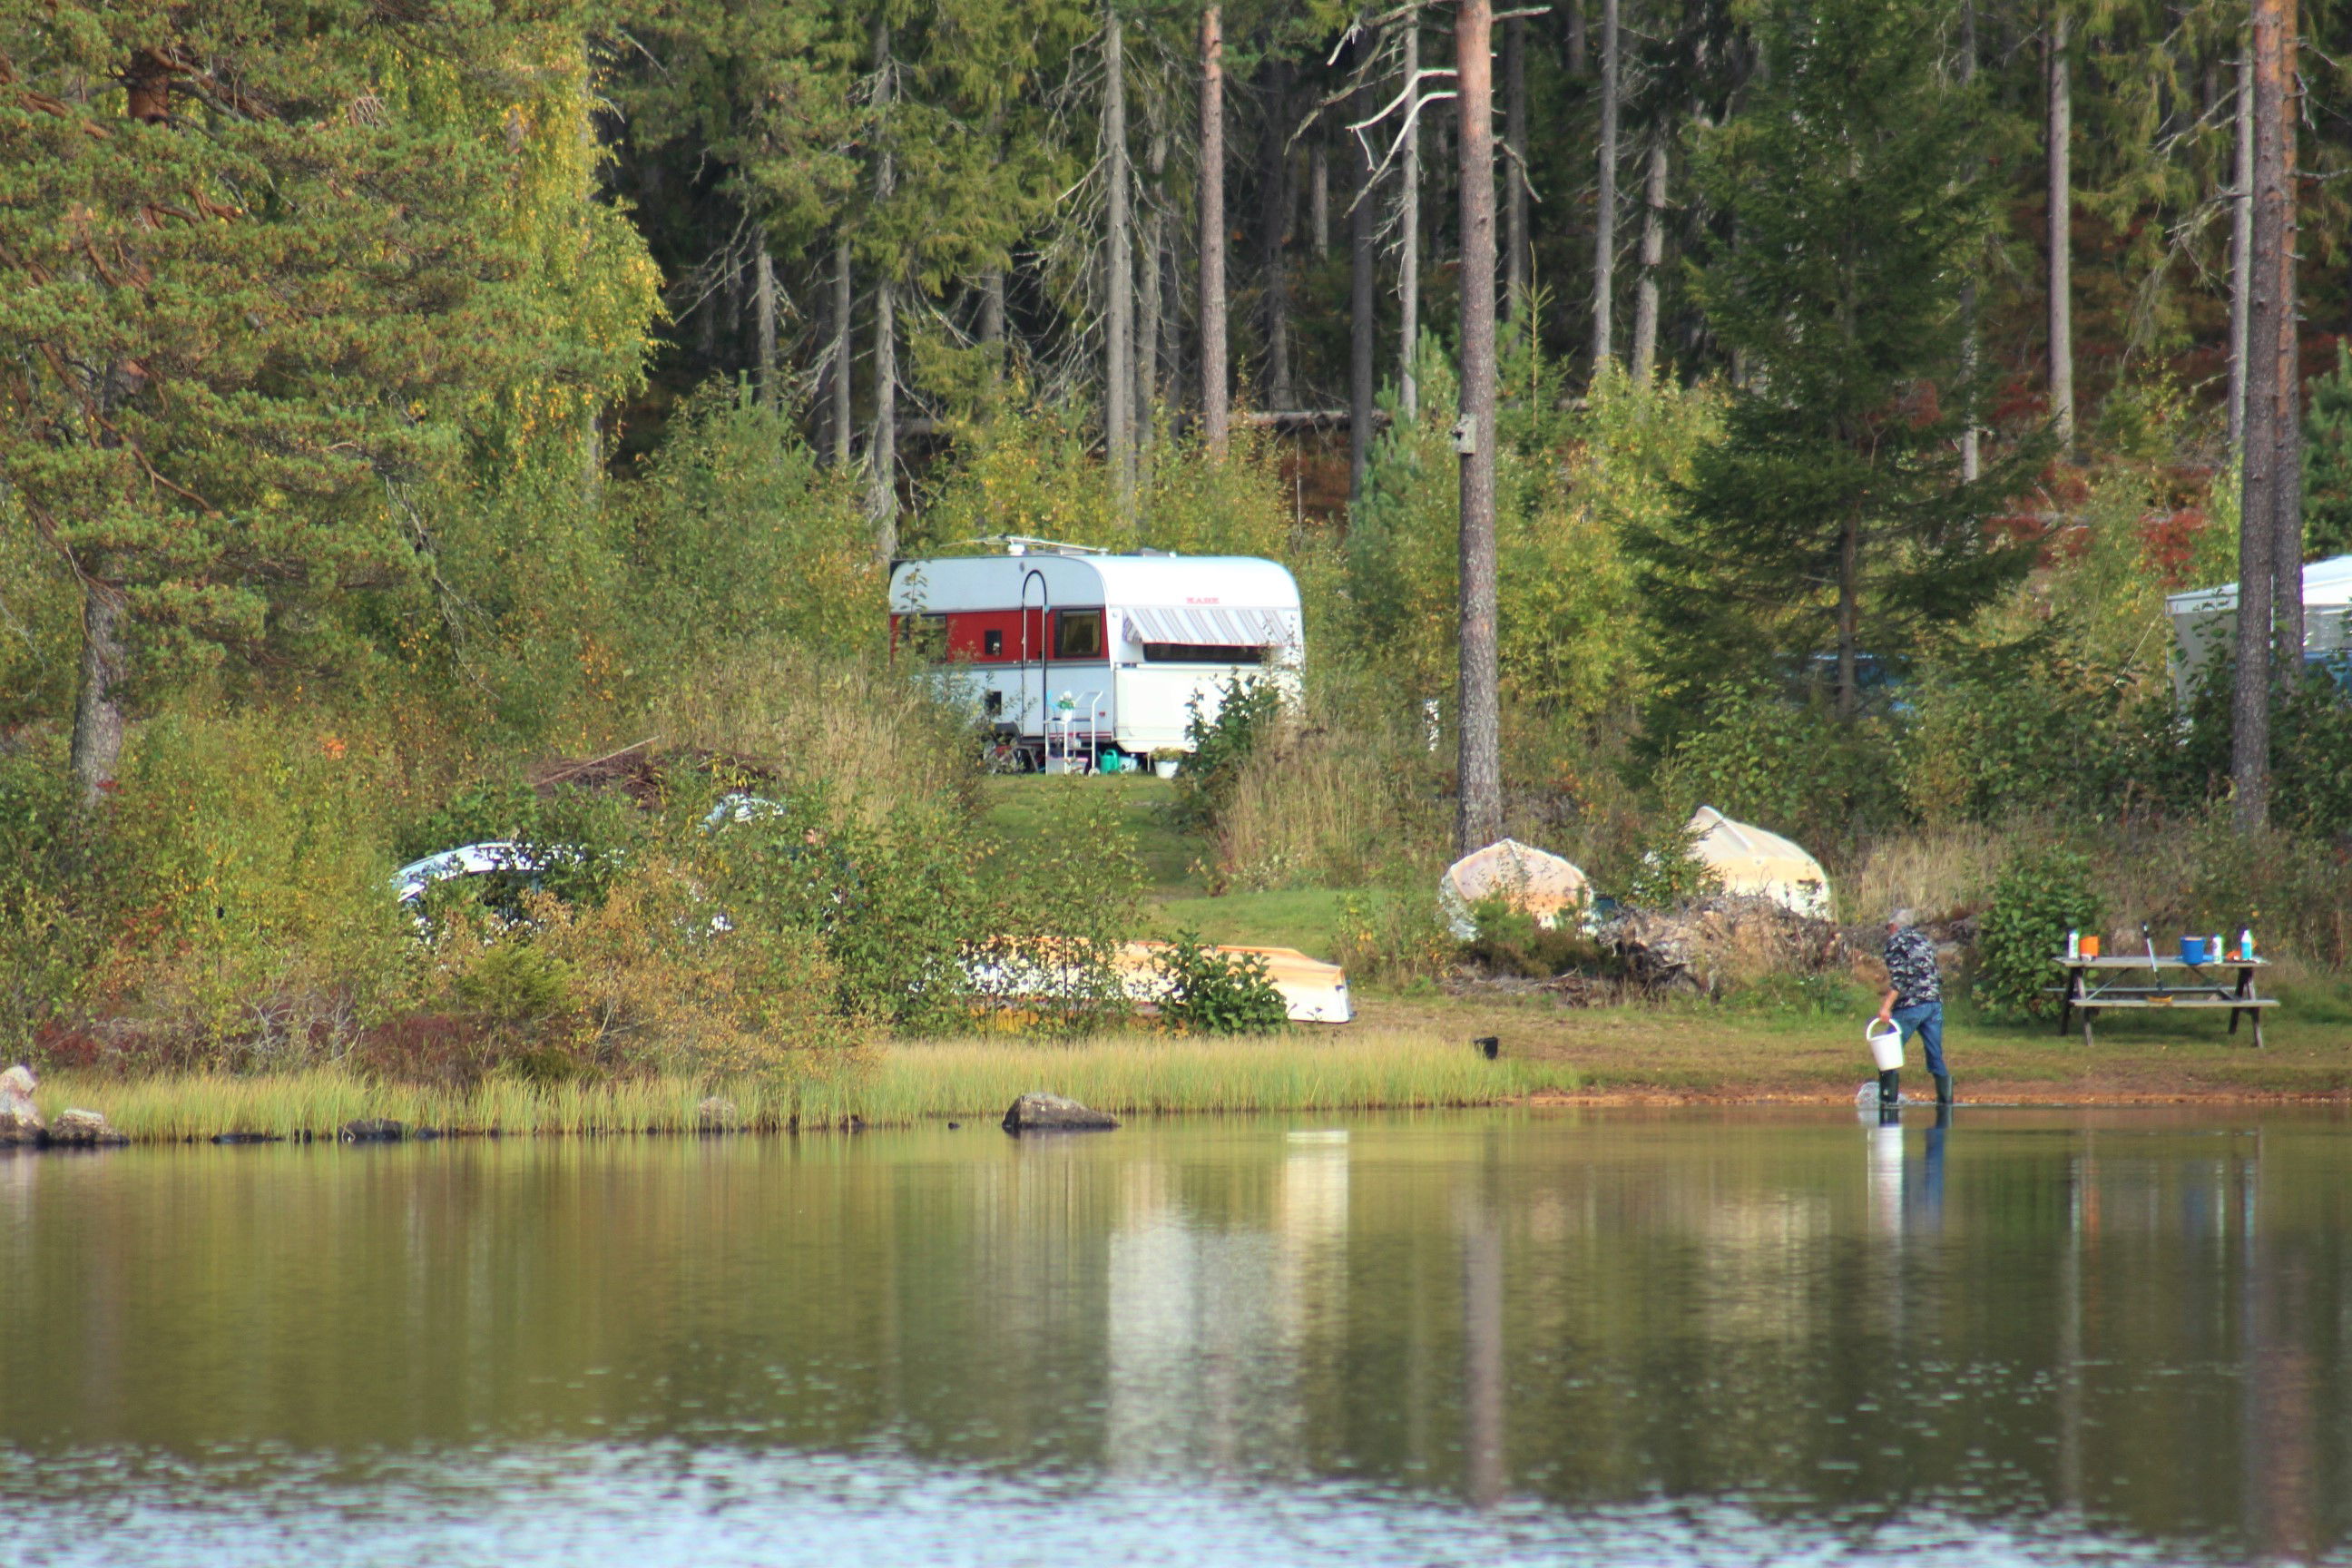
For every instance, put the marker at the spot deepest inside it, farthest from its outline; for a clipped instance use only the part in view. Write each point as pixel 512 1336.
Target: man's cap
pixel 1904 916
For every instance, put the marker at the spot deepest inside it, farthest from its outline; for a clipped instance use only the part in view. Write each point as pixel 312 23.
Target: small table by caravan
pixel 2096 984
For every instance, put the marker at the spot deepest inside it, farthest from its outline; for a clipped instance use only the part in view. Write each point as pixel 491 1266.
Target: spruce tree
pixel 1831 517
pixel 261 274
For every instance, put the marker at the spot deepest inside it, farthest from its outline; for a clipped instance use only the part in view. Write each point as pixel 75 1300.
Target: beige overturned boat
pixel 1312 992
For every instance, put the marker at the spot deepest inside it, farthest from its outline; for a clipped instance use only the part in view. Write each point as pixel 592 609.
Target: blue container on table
pixel 2195 949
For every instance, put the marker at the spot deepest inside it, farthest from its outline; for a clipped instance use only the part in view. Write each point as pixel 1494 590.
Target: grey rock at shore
pixel 1053 1113
pixel 372 1129
pixel 83 1129
pixel 19 1121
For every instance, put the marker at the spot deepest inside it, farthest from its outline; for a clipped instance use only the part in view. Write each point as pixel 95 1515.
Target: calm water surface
pixel 1634 1337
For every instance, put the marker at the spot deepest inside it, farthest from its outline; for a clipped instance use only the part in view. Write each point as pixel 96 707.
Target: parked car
pixel 497 875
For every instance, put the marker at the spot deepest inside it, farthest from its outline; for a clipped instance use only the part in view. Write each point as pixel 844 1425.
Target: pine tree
pixel 261 275
pixel 1832 517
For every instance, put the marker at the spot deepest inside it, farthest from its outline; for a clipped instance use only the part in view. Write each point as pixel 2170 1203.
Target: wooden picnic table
pixel 2094 985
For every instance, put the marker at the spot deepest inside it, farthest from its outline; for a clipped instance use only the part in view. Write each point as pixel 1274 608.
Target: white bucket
pixel 1885 1045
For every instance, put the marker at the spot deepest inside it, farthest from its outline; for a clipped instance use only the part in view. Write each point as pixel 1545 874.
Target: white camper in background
pixel 2205 621
pixel 1072 653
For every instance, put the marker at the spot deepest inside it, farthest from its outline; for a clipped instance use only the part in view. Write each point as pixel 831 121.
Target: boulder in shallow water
pixel 19 1121
pixel 83 1129
pixel 372 1129
pixel 1053 1113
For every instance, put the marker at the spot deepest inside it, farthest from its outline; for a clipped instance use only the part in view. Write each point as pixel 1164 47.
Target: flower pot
pixel 1166 767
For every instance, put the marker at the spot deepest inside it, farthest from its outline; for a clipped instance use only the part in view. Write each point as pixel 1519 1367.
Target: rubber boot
pixel 1890 1088
pixel 1943 1088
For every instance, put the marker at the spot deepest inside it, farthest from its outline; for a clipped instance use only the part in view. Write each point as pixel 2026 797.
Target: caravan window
pixel 1078 634
pixel 1203 653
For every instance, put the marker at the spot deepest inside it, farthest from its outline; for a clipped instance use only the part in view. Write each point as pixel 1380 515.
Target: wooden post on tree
pixel 2250 695
pixel 1215 408
pixel 1478 818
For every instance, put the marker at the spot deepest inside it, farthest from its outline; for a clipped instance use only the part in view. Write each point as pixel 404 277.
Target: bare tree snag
pixel 838 365
pixel 97 747
pixel 1517 260
pixel 1478 818
pixel 1409 227
pixel 1276 204
pixel 1605 220
pixel 2250 695
pixel 1363 314
pixel 1148 371
pixel 882 445
pixel 2241 246
pixel 1118 277
pixel 765 301
pixel 2286 548
pixel 1653 255
pixel 1215 407
pixel 2060 135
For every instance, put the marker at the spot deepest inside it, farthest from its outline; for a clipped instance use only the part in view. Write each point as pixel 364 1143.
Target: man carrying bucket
pixel 1915 994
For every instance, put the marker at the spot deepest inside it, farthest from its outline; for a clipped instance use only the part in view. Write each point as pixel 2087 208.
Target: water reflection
pixel 1993 1327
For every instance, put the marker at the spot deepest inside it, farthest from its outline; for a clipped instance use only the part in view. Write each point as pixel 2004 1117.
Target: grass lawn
pixel 1733 1050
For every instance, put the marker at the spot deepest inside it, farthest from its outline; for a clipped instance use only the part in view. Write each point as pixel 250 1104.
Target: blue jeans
pixel 1924 1019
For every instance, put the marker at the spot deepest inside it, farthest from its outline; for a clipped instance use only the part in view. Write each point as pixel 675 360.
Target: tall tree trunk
pixel 1604 219
pixel 1971 455
pixel 838 369
pixel 2249 738
pixel 1319 195
pixel 1363 312
pixel 1213 375
pixel 1849 615
pixel 1578 55
pixel 764 298
pixel 2286 549
pixel 1653 255
pixel 1409 227
pixel 882 446
pixel 992 323
pixel 97 746
pixel 1478 819
pixel 1275 203
pixel 2242 247
pixel 2060 133
pixel 1517 259
pixel 1119 277
pixel 1148 370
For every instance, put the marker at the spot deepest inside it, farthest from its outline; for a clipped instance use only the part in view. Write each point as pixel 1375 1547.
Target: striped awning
pixel 1213 625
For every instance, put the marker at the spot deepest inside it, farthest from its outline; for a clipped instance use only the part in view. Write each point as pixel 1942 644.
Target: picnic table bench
pixel 2094 985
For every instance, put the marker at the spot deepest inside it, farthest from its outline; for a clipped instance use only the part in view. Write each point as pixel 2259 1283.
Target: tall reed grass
pixel 1134 1074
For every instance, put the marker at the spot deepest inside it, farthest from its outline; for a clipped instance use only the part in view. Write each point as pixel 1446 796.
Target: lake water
pixel 1634 1337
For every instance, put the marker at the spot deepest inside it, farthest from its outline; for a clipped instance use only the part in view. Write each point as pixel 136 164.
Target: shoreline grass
pixel 908 1083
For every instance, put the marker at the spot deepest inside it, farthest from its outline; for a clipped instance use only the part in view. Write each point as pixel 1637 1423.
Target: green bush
pixel 1510 941
pixel 2041 895
pixel 1210 992
pixel 1222 743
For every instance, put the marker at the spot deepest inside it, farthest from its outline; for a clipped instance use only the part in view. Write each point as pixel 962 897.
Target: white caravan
pixel 2205 622
pixel 1073 652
